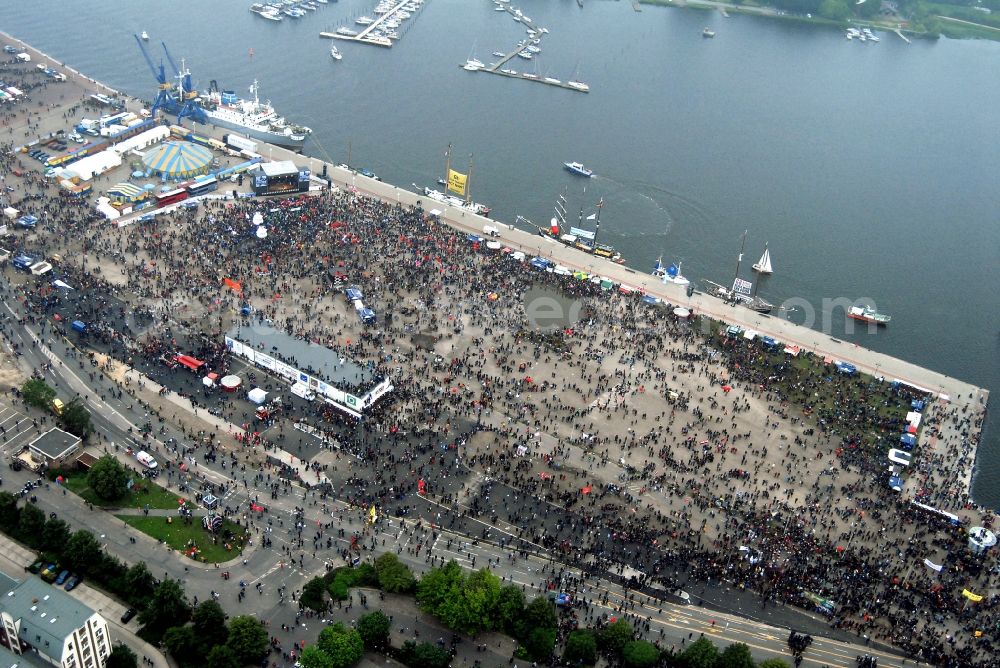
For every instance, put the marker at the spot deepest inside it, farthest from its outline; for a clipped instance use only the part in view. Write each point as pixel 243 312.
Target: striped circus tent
pixel 126 192
pixel 178 159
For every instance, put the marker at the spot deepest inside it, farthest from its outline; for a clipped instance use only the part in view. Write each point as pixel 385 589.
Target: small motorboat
pixel 578 168
pixel 335 54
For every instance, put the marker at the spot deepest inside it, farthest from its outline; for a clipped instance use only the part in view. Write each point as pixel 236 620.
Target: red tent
pixel 189 362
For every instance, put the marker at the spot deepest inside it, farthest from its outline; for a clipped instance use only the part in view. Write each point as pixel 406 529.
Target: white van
pixel 146 459
pixel 302 390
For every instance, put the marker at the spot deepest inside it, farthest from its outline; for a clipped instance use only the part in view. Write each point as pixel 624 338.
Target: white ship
pixel 252 117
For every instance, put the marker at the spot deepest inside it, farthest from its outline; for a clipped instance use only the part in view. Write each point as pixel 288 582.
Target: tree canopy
pixel 314 594
pixel 699 654
pixel 581 648
pixel 737 655
pixel 374 629
pixel 221 656
pixel 167 607
pixel 108 478
pixel 640 654
pixel 247 639
pixel 76 418
pixel 343 645
pixel 37 393
pixel 122 656
pixel 393 575
pixel 615 636
pixel 209 623
pixel 424 655
pixel 313 657
pixel 82 552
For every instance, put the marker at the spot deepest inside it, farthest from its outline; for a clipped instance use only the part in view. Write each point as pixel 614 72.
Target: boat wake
pixel 666 204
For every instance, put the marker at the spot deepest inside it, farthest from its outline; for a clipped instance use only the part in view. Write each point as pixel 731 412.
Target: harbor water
pixel 869 169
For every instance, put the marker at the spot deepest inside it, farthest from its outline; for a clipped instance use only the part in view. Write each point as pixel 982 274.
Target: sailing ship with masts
pixel 578 237
pixel 458 183
pixel 743 292
pixel 671 274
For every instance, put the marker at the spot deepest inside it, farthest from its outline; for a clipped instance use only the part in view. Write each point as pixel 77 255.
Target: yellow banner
pixel 975 598
pixel 372 516
pixel 456 182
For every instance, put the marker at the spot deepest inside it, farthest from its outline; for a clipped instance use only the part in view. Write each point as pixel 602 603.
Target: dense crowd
pixel 609 440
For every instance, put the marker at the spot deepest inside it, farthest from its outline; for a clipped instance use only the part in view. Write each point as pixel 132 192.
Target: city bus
pixel 171 197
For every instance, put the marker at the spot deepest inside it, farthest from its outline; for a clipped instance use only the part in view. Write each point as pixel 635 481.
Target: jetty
pixel 534 39
pixel 364 36
pixel 902 36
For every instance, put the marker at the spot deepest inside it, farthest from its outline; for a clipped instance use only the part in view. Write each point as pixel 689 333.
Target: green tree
pixel 209 623
pixel 313 657
pixel 699 654
pixel 36 393
pixel 139 583
pixel 82 552
pixel 167 607
pixel 424 655
pixel 469 607
pixel 122 656
pixel 10 513
pixel 510 607
pixel 393 575
pixel 836 10
pixel 539 614
pixel 773 663
pixel 222 656
pixel 615 636
pixel 374 629
pixel 55 535
pixel 76 419
pixel 736 655
pixel 439 584
pixel 641 654
pixel 343 645
pixel 108 478
pixel 539 644
pixel 581 648
pixel 313 595
pixel 31 524
pixel 247 638
pixel 183 645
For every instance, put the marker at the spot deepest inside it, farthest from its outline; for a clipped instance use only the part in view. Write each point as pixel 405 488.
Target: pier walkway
pixel 364 36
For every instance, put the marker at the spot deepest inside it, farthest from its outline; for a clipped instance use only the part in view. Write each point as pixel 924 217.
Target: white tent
pixel 257 395
pixel 913 417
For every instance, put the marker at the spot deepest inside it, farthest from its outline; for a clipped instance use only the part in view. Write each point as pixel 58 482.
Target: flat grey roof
pixel 279 168
pixel 47 614
pixel 55 443
pixel 320 361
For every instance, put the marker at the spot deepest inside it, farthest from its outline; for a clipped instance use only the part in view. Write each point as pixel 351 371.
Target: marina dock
pixel 499 69
pixel 364 37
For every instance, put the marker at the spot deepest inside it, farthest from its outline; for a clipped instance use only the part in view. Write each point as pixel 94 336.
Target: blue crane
pixel 187 95
pixel 164 98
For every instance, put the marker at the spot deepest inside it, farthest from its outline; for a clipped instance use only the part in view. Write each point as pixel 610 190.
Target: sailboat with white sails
pixel 743 292
pixel 763 265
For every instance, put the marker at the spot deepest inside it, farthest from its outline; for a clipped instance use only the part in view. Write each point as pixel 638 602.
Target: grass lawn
pixel 182 536
pixel 144 492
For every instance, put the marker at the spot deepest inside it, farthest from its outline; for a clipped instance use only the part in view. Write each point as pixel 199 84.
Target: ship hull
pixel 294 142
pixel 870 321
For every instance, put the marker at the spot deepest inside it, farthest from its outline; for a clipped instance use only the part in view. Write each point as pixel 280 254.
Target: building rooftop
pixel 339 371
pixel 47 614
pixel 55 443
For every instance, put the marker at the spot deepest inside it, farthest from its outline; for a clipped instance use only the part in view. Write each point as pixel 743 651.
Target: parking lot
pixel 16 431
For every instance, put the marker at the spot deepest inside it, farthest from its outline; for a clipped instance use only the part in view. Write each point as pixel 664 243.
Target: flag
pixel 592 216
pixel 600 204
pixel 975 598
pixel 421 487
pixel 456 182
pixel 931 565
pixel 371 515
pixel 236 286
pixel 587 490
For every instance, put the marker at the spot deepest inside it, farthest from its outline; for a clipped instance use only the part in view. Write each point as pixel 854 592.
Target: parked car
pixel 129 614
pixel 62 578
pixel 36 567
pixel 72 582
pixel 49 572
